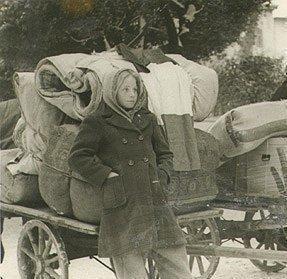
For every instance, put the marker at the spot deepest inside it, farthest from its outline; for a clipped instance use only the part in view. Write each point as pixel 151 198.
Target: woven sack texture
pixel 86 200
pixel 20 188
pixel 55 173
pixel 259 173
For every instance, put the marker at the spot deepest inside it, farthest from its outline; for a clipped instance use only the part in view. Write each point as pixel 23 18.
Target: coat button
pixel 131 162
pixel 124 141
pixel 145 159
pixel 141 138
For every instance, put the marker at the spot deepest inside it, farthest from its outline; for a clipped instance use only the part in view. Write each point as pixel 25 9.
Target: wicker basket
pixel 261 172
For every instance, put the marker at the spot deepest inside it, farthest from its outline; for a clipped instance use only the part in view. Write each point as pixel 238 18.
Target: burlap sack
pixel 86 200
pixel 10 113
pixel 20 188
pixel 55 173
pixel 244 128
pixel 36 111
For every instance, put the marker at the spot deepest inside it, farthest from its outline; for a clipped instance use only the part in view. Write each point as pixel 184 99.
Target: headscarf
pixel 111 84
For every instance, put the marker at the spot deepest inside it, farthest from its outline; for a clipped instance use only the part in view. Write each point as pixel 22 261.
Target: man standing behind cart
pixel 121 149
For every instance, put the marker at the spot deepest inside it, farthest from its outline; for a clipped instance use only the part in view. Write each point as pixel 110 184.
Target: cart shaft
pixel 234 252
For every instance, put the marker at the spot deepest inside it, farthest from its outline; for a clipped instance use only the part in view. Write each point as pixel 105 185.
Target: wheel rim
pixel 203 232
pixel 265 240
pixel 41 252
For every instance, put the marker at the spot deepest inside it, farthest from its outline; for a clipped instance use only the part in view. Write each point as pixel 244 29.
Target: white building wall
pixel 280 37
pixel 264 36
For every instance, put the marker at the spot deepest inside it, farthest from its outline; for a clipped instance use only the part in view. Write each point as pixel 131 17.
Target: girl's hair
pixel 123 75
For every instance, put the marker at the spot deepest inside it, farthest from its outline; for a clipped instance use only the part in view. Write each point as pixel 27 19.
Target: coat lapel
pixel 140 122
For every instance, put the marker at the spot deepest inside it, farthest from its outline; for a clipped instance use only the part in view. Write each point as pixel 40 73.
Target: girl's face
pixel 128 93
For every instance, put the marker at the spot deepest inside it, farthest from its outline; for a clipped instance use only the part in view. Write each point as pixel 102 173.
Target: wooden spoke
pixel 202 229
pixel 33 242
pixel 208 258
pixel 28 253
pixel 36 241
pixel 266 239
pixel 47 248
pixel 52 272
pixel 200 264
pixel 41 241
pixel 203 232
pixel 46 276
pixel 191 262
pixel 262 215
pixel 52 260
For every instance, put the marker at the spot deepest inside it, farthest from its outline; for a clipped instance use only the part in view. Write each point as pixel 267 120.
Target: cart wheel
pixel 202 232
pixel 267 239
pixel 41 252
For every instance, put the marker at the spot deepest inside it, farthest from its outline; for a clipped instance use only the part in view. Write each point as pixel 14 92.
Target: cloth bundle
pixel 72 82
pixel 242 129
pixel 65 192
pixel 33 128
pixel 205 86
pixel 170 98
pixel 189 188
pixel 20 188
pixel 20 167
pixel 10 114
pixel 37 113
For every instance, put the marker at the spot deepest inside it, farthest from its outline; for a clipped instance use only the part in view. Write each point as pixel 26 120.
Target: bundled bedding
pixel 72 82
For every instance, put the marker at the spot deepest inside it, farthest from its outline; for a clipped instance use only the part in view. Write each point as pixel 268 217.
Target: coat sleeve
pixel 83 157
pixel 161 148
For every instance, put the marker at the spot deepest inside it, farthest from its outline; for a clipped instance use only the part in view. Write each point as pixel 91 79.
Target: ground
pixel 87 268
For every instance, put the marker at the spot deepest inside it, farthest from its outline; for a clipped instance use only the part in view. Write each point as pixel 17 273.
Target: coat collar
pixel 141 119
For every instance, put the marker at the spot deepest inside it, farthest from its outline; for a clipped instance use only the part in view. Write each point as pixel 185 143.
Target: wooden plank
pixel 237 206
pixel 253 225
pixel 200 215
pixel 47 215
pixel 233 252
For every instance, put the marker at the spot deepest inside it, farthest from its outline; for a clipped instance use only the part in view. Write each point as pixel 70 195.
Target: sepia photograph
pixel 143 139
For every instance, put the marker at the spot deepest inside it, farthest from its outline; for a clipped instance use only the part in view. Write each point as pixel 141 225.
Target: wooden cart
pixel 48 242
pixel 263 229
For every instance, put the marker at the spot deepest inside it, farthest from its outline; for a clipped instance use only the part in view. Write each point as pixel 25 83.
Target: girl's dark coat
pixel 136 214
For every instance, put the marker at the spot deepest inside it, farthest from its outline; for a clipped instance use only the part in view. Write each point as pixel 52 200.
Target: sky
pixel 281 11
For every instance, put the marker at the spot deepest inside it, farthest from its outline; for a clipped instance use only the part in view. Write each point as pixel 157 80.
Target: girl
pixel 122 150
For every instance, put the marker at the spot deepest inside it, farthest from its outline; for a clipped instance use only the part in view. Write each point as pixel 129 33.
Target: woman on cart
pixel 121 149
